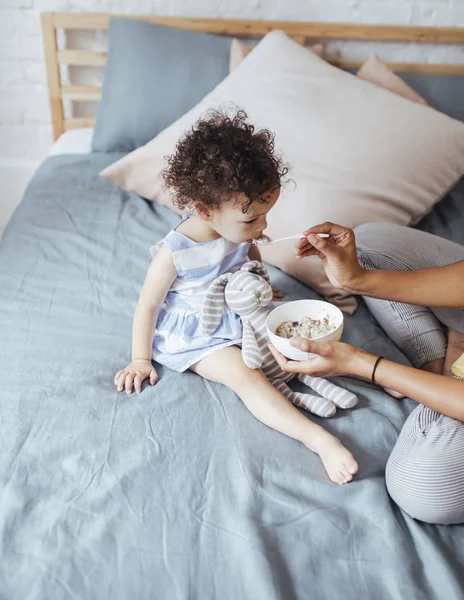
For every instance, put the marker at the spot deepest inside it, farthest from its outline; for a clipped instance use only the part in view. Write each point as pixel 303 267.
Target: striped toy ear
pixel 213 304
pixel 251 353
pixel 254 266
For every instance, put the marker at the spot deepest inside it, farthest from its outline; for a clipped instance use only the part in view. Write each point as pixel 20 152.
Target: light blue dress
pixel 179 341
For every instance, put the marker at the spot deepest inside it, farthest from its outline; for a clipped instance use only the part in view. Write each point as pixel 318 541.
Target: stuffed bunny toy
pixel 248 293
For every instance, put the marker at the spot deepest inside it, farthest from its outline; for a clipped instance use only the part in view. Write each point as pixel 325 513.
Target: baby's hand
pixel 134 374
pixel 276 294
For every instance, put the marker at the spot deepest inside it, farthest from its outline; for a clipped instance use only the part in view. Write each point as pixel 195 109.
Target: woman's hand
pixel 443 394
pixel 134 374
pixel 332 358
pixel 337 253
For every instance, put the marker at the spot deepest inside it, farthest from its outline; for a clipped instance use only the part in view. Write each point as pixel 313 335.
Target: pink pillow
pixel 376 72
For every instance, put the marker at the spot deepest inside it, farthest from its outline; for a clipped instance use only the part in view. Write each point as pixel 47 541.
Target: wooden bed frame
pixel 299 31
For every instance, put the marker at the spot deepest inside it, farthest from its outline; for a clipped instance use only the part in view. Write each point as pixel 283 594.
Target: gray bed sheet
pixel 178 493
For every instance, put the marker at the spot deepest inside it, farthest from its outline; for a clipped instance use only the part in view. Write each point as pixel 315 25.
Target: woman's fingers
pixel 312 252
pixel 322 245
pixel 304 248
pixel 302 343
pixel 306 251
pixel 289 366
pixel 302 244
pixel 327 227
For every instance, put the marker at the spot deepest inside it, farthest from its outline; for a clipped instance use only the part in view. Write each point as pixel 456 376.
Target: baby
pixel 227 174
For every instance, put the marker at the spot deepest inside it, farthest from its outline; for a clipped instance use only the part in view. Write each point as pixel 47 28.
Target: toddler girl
pixel 226 172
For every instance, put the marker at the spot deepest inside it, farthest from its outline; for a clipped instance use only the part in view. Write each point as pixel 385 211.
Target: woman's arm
pixel 159 279
pixel 437 287
pixel 443 394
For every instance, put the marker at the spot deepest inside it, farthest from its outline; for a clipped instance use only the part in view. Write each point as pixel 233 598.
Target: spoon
pixel 264 240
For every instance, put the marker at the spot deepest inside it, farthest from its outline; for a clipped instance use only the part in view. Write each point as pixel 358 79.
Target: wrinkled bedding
pixel 178 493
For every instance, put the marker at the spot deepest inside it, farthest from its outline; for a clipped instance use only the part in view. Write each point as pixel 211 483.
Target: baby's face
pixel 233 224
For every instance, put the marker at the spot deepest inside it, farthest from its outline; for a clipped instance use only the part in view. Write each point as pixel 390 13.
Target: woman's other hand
pixel 331 358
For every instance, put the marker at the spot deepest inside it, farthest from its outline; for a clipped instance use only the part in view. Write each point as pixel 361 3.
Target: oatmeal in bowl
pixel 306 328
pixel 312 319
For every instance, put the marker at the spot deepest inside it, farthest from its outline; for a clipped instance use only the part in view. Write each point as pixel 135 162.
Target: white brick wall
pixel 25 132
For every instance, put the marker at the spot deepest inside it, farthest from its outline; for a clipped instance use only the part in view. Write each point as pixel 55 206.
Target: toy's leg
pixel 319 406
pixel 339 396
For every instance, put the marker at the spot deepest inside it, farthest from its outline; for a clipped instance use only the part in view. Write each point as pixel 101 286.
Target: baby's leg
pixel 269 406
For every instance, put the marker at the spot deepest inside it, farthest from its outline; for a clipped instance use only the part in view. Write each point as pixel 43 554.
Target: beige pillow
pixel 239 50
pixel 375 71
pixel 358 152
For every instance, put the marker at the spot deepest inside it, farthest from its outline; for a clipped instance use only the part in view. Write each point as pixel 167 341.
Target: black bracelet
pixel 375 369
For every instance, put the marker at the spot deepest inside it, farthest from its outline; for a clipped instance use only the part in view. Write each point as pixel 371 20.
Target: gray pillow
pixel 447 217
pixel 153 75
pixel 445 93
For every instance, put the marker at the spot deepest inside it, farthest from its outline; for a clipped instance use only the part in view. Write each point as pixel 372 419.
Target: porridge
pixel 306 328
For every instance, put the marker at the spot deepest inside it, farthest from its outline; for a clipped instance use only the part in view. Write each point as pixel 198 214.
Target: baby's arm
pixel 159 279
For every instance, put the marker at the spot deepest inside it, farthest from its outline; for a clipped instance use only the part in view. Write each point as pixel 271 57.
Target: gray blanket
pixel 178 493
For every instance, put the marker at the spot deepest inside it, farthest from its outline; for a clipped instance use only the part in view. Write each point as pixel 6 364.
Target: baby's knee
pixel 241 378
pixel 424 494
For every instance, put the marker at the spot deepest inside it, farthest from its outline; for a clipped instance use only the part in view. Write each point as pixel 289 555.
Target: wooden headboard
pixel 299 31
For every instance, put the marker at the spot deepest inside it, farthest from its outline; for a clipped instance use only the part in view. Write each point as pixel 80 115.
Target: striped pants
pixel 425 472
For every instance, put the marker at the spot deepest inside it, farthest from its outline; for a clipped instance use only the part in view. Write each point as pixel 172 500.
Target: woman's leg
pixel 425 472
pixel 269 406
pixel 419 331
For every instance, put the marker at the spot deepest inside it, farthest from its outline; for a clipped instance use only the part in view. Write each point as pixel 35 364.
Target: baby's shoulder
pixel 194 229
pixel 190 229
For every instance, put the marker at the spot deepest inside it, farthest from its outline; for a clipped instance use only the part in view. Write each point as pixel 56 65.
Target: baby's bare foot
pixel 338 461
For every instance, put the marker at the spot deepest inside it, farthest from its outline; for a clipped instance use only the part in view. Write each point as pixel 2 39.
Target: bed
pixel 177 493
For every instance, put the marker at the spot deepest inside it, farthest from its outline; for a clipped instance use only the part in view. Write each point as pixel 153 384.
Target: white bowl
pixel 294 311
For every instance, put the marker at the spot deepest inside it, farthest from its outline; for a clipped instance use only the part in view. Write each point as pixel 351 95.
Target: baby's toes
pixel 336 477
pixel 351 466
pixel 346 475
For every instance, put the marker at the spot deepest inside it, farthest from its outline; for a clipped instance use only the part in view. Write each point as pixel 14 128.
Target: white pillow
pixel 358 153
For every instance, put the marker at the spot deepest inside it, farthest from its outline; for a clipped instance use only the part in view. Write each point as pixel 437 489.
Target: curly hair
pixel 221 157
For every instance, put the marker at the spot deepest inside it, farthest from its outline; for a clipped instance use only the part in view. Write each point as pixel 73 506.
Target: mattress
pixel 177 492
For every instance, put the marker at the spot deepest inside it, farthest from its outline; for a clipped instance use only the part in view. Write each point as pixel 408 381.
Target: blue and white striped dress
pixel 179 341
